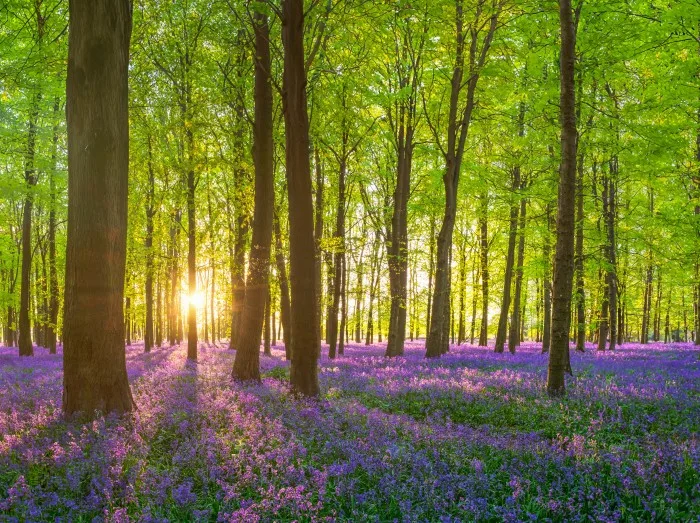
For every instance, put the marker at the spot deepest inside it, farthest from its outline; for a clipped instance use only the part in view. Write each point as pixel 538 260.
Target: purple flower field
pixel 469 437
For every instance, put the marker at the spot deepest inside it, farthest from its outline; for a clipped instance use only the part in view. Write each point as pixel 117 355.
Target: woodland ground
pixel 468 437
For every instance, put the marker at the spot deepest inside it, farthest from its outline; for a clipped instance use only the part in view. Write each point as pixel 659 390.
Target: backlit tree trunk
pixel 247 363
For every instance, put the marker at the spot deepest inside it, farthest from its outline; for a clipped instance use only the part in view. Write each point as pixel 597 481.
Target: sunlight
pixel 196 299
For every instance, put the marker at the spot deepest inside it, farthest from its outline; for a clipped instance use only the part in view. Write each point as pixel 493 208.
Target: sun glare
pixel 196 299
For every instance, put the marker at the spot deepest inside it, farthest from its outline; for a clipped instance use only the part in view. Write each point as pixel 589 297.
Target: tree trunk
pixel 431 272
pixel 644 335
pixel 53 273
pixel 305 349
pixel 515 320
pixel 150 211
pixel 580 290
pixel 98 164
pixel 318 238
pixel 475 294
pixel 247 363
pixel 266 324
pixel 508 276
pixel 30 179
pixel 285 312
pixel 564 254
pixel 338 257
pixel 611 272
pixel 484 254
pixel 547 287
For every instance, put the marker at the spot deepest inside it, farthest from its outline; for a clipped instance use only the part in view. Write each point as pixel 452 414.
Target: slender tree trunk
pixel 247 363
pixel 339 256
pixel 431 272
pixel 305 349
pixel 508 276
pixel 30 179
pixel 547 287
pixel 657 307
pixel 285 312
pixel 475 294
pixel 159 312
pixel 266 325
pixel 343 307
pixel 458 123
pixel 580 290
pixel 484 254
pixel 644 335
pixel 150 211
pixel 318 237
pixel 53 273
pixel 611 275
pixel 94 362
pixel 564 254
pixel 191 253
pixel 515 320
pixel 462 330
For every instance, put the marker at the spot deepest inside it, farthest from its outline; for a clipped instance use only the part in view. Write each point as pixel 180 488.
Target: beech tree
pixel 98 160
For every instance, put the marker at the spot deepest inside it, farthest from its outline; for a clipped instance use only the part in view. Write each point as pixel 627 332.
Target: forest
pixel 349 260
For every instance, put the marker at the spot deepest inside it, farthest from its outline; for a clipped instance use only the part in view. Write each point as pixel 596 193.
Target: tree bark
pixel 458 122
pixel 30 179
pixel 150 211
pixel 339 255
pixel 53 273
pixel 515 319
pixel 247 363
pixel 508 276
pixel 547 286
pixel 305 349
pixel 285 312
pixel 484 254
pixel 564 254
pixel 98 164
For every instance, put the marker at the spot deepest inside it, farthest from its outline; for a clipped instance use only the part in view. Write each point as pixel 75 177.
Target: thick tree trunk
pixel 564 254
pixel 247 363
pixel 98 164
pixel 438 336
pixel 305 349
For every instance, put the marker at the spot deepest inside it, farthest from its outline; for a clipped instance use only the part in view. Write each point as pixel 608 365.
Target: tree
pixel 305 343
pixel 564 253
pixel 247 363
pixel 98 152
pixel 459 119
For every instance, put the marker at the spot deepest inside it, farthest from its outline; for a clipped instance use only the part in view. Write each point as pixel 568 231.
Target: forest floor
pixel 470 436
